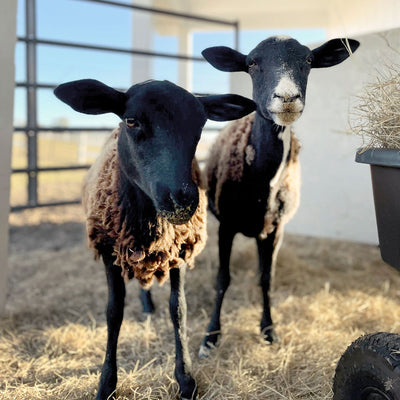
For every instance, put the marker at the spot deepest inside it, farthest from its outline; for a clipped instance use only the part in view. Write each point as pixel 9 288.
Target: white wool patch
pixel 275 185
pixel 281 38
pixel 285 137
pixel 250 154
pixel 286 87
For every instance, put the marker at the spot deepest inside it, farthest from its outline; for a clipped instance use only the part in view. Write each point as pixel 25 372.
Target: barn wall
pixel 361 17
pixel 7 46
pixel 336 197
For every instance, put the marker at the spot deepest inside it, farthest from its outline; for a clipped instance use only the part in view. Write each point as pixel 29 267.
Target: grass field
pixel 54 150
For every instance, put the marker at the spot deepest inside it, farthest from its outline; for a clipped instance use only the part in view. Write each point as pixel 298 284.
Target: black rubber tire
pixel 369 369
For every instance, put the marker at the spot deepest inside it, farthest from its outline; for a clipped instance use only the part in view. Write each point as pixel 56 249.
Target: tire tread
pixel 374 357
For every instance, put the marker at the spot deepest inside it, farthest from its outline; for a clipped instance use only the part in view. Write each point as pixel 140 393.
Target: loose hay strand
pixel 376 116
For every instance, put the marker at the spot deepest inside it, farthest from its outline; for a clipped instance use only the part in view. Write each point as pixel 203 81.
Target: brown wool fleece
pixel 226 161
pixel 226 157
pixel 103 221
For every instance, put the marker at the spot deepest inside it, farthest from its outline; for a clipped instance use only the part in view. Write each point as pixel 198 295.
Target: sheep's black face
pixel 279 68
pixel 161 127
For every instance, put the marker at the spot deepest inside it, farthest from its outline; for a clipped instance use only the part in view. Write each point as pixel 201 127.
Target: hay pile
pixel 376 117
pixel 52 341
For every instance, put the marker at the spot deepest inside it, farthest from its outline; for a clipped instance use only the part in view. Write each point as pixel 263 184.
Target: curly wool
pixel 104 225
pixel 226 162
pixel 226 158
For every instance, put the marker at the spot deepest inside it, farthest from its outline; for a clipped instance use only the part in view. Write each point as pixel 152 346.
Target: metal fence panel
pixel 31 85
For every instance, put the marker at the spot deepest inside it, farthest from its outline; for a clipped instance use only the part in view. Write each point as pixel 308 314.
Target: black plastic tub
pixel 385 174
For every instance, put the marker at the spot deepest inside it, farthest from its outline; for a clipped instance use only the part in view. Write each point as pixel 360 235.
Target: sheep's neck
pixel 138 212
pixel 266 139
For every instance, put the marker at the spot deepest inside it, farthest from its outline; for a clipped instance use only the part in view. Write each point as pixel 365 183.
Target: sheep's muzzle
pixel 179 216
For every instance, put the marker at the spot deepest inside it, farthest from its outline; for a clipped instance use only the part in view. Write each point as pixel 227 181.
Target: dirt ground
pixel 52 339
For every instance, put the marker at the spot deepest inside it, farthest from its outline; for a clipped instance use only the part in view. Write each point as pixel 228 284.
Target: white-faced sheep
pixel 253 169
pixel 144 202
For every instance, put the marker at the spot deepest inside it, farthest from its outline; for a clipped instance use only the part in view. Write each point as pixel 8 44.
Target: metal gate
pixel 32 86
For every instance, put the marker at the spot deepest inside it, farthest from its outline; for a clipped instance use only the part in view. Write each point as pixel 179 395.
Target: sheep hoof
pixel 206 349
pixel 270 336
pixel 188 387
pixel 145 316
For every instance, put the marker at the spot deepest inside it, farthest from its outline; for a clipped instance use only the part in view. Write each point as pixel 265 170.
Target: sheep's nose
pixel 185 196
pixel 287 98
pixel 178 205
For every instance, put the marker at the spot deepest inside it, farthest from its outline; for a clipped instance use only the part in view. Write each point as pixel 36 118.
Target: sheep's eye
pixel 132 123
pixel 252 64
pixel 309 60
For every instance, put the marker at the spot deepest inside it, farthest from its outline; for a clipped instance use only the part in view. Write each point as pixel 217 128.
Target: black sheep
pixel 253 170
pixel 144 202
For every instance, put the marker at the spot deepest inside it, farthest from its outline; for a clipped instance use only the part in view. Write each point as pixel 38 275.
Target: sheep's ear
pixel 89 96
pixel 333 52
pixel 226 107
pixel 225 59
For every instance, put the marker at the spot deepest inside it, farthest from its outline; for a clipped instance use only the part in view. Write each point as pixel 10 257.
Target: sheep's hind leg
pixel 115 313
pixel 177 307
pixel 213 334
pixel 147 302
pixel 267 252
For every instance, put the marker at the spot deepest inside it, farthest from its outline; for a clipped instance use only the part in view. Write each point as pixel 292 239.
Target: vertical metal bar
pixel 31 119
pixel 236 27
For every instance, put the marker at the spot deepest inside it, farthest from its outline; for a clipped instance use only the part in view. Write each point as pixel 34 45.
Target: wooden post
pixel 7 83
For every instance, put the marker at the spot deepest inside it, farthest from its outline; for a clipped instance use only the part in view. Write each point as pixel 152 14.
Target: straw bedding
pixel 52 339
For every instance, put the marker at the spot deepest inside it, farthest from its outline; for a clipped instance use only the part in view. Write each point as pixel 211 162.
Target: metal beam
pixel 86 46
pixel 164 12
pixel 59 203
pixel 51 169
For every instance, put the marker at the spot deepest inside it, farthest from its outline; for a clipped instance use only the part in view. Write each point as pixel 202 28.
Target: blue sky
pixel 85 22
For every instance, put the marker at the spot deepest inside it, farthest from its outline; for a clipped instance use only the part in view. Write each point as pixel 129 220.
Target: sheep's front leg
pixel 177 307
pixel 267 253
pixel 115 313
pixel 225 239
